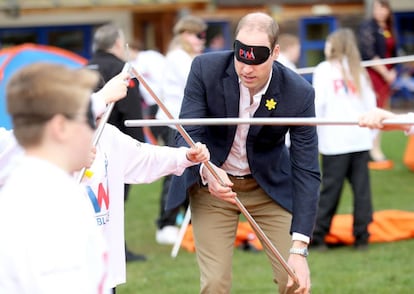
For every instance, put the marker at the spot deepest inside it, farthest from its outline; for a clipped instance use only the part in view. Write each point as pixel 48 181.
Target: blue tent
pixel 15 58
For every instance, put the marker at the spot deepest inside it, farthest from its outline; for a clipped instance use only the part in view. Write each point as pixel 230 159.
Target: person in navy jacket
pixel 279 188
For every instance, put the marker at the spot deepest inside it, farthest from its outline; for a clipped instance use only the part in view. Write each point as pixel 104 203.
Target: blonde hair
pixel 190 23
pixel 344 49
pixel 36 93
pixel 180 42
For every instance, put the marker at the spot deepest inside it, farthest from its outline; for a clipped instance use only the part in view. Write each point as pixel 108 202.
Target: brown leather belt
pixel 245 177
pixel 244 183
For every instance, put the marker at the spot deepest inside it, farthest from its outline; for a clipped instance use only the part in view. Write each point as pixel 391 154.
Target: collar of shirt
pixel 259 94
pixel 236 162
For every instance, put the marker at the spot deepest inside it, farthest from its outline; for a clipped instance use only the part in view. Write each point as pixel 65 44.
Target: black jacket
pixel 371 41
pixel 108 65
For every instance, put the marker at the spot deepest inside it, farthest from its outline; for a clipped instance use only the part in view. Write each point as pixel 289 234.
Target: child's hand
pixel 198 153
pixel 373 119
pixel 116 88
pixel 91 157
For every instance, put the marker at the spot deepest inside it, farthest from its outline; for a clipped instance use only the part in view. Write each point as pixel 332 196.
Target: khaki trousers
pixel 215 224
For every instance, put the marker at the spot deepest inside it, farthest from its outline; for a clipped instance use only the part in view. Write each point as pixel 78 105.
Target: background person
pixel 289 50
pixel 187 43
pixel 109 59
pixel 342 91
pixel 280 190
pixel 289 56
pixel 215 40
pixel 377 41
pixel 150 65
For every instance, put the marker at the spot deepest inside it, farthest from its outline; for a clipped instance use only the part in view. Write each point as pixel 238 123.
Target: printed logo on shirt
pixel 100 204
pixel 97 187
pixel 347 87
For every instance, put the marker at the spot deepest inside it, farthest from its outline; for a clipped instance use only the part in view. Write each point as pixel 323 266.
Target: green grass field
pixel 384 269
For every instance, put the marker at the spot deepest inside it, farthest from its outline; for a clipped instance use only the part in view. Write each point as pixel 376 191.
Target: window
pixel 77 39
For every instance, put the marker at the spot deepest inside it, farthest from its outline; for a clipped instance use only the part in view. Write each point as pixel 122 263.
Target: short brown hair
pixel 105 37
pixel 287 41
pixel 39 91
pixel 262 22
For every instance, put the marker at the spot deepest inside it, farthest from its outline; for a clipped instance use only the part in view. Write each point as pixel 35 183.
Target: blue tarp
pixel 15 58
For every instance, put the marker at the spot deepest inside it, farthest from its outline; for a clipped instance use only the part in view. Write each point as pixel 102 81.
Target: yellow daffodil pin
pixel 271 104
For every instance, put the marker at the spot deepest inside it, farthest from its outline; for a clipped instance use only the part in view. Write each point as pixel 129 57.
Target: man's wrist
pixel 299 251
pixel 300 237
pixel 299 244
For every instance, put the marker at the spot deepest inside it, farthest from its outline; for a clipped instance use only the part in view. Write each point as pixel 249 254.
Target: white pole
pixel 284 121
pixel 181 233
pixel 367 63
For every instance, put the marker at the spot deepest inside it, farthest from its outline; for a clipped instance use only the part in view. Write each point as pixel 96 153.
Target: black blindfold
pixel 252 55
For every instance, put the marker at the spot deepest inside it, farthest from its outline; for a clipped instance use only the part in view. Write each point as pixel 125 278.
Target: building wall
pixel 402 5
pixel 121 18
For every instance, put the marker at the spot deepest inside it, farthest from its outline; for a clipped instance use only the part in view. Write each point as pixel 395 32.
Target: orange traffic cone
pixel 409 153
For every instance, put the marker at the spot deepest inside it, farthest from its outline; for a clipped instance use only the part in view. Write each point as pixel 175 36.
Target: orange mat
pixel 244 236
pixel 387 226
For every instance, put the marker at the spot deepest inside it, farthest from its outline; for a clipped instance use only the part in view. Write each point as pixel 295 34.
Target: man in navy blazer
pixel 279 188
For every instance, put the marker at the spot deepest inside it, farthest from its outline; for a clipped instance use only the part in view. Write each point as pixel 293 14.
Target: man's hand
pixel 220 190
pixel 299 265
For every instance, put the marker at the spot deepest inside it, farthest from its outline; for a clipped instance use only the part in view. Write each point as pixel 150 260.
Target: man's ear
pixel 275 52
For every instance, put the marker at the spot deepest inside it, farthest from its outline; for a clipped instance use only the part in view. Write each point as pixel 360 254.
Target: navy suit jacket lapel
pixel 231 91
pixel 232 98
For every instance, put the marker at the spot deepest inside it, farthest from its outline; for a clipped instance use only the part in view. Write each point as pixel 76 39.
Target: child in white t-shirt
pixel 119 159
pixel 343 91
pixel 50 243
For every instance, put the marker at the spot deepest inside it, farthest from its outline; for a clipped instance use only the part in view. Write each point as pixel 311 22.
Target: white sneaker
pixel 167 235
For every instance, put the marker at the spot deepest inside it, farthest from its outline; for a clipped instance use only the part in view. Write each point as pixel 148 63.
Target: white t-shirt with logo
pixel 49 240
pixel 336 99
pixel 121 159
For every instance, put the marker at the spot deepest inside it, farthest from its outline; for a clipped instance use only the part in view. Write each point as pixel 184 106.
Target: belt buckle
pixel 241 177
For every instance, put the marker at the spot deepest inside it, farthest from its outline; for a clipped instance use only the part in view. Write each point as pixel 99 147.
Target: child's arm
pixel 139 162
pixel 114 90
pixel 373 119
